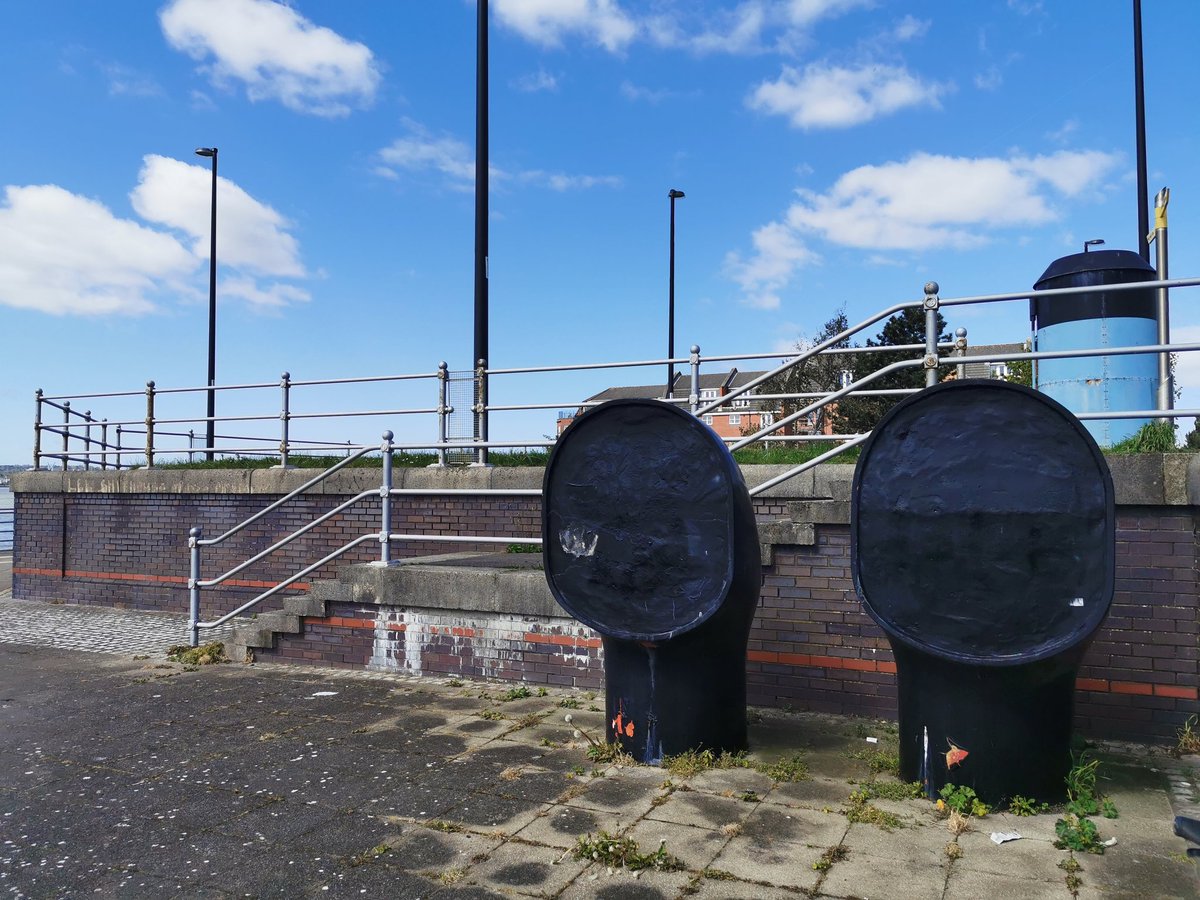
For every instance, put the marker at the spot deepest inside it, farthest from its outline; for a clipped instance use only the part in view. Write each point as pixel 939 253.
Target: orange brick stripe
pixel 821 662
pixel 1136 687
pixel 560 640
pixel 147 579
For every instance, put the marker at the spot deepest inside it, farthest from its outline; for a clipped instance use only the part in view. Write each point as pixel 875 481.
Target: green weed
pixel 624 852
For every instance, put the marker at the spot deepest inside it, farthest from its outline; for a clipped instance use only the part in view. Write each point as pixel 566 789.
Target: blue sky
pixel 833 152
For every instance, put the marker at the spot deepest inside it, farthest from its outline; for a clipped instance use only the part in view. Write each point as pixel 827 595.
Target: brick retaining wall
pixel 123 542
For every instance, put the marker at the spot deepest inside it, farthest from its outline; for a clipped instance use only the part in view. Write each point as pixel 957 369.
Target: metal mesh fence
pixel 461 424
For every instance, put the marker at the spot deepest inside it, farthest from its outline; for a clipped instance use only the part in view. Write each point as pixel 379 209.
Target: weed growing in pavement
pixel 892 790
pixel 829 857
pixel 1188 738
pixel 880 760
pixel 791 769
pixel 212 652
pixel 1024 806
pixel 569 703
pixel 444 826
pixel 861 811
pixel 517 693
pixel 962 799
pixel 624 852
pixel 492 715
pixel 1077 833
pixel 1071 866
pixel 953 850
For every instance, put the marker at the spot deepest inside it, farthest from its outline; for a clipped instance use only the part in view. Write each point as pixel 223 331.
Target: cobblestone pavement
pixel 122 777
pixel 94 628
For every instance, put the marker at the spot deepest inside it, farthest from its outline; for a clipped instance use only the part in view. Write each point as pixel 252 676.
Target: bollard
pixel 982 542
pixel 694 395
pixel 931 333
pixel 649 538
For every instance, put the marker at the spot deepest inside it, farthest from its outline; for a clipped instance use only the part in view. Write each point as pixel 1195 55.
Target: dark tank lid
pixel 1097 261
pixel 982 526
pixel 637 520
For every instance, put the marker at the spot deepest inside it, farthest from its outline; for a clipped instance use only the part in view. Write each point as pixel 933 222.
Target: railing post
pixel 66 432
pixel 87 439
pixel 694 396
pixel 285 385
pixel 1166 378
pixel 480 410
pixel 119 448
pixel 385 502
pixel 960 350
pixel 931 333
pixel 104 443
pixel 191 444
pixel 37 431
pixel 194 587
pixel 149 424
pixel 443 410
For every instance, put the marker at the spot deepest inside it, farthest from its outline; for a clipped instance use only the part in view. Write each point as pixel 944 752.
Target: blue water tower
pixel 1097 319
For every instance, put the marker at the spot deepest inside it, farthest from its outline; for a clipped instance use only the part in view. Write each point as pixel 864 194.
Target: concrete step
pixel 262 629
pixel 281 622
pixel 304 605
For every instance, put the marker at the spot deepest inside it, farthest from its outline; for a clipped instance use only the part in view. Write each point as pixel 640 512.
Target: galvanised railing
pixel 79 426
pixel 7 529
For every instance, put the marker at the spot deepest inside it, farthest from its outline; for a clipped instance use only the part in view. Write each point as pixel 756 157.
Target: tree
pixel 1192 441
pixel 1020 371
pixel 861 414
pixel 820 373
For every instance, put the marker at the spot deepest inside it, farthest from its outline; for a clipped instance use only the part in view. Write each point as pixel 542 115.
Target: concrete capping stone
pixel 820 512
pixel 521 592
pixel 1144 479
pixel 783 532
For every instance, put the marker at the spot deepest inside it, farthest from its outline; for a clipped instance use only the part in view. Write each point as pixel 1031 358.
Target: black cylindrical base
pixel 1003 731
pixel 688 693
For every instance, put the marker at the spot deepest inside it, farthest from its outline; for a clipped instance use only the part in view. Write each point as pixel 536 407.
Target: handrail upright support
pixel 480 409
pixel 285 385
pixel 119 448
pixel 87 439
pixel 37 431
pixel 194 587
pixel 66 436
pixel 960 350
pixel 104 443
pixel 149 424
pixel 694 394
pixel 385 502
pixel 443 410
pixel 931 333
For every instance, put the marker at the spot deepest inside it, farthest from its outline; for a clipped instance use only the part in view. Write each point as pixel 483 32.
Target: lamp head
pixel 206 151
pixel 1094 242
pixel 674 194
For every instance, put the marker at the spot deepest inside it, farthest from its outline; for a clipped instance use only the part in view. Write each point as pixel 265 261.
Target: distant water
pixel 6 498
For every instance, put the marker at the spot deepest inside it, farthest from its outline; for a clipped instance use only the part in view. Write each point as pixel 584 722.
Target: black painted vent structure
pixel 650 539
pixel 982 542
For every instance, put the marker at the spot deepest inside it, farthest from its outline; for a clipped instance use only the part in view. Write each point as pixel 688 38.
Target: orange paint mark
pixel 621 725
pixel 955 755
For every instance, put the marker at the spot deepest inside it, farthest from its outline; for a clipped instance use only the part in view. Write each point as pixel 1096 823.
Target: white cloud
pixel 423 151
pixel 251 236
pixel 548 22
pixel 910 28
pixel 535 82
pixel 63 254
pixel 990 79
pixel 778 252
pixel 124 81
pixel 1061 135
pixel 824 96
pixel 275 52
pixel 923 203
pixel 807 12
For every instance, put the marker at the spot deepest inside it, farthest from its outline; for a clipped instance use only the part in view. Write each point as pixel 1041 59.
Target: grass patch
pixel 693 762
pixel 206 654
pixel 1153 437
pixel 892 790
pixel 791 769
pixel 861 811
pixel 609 753
pixel 880 760
pixel 444 826
pixel 624 852
pixel 781 454
pixel 523 548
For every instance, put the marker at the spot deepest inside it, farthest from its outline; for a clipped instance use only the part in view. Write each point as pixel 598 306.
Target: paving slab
pixel 136 778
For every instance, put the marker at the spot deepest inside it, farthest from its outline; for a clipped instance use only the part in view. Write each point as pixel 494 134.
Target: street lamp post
pixel 673 195
pixel 210 434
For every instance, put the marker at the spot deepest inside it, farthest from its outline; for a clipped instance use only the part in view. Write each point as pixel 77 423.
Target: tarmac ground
pixel 125 775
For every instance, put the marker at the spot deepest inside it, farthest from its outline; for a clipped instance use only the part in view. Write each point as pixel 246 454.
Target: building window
pixel 735 418
pixel 708 395
pixel 766 419
pixel 708 420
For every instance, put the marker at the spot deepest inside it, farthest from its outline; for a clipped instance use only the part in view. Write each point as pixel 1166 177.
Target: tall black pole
pixel 210 430
pixel 481 222
pixel 1139 91
pixel 673 195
